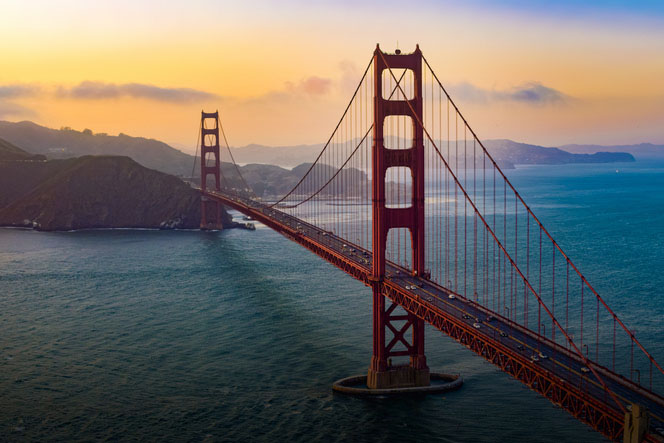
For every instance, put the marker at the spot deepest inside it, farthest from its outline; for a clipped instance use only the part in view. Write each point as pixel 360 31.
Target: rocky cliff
pixel 68 143
pixel 94 192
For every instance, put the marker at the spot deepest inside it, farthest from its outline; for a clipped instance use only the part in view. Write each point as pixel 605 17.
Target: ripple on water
pixel 116 335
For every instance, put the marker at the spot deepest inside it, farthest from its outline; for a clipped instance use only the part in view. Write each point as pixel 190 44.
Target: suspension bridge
pixel 405 198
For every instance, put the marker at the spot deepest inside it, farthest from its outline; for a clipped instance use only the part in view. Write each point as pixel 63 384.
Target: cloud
pixel 18 90
pixel 89 90
pixel 350 76
pixel 533 93
pixel 469 92
pixel 8 109
pixel 314 86
pixel 310 87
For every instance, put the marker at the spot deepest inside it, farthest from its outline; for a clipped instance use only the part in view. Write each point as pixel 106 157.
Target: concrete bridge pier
pixel 637 422
pixel 383 374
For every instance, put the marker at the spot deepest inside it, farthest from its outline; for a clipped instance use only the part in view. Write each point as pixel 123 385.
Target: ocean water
pixel 238 335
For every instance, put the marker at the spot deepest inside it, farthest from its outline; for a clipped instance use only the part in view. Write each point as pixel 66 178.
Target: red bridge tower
pixel 382 374
pixel 210 154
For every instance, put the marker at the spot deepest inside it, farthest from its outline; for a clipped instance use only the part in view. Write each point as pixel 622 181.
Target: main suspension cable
pixel 500 245
pixel 539 223
pixel 228 148
pixel 328 140
pixel 342 166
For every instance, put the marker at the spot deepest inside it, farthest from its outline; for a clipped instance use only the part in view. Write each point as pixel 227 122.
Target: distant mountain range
pixel 68 179
pixel 66 143
pixel 512 153
pixel 640 151
pixel 507 153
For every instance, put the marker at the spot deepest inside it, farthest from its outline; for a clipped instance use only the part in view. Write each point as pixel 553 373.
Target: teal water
pixel 238 335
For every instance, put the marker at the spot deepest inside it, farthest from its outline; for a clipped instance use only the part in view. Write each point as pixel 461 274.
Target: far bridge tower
pixel 210 165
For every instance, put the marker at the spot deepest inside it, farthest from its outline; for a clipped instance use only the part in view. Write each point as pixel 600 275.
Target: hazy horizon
pixel 191 149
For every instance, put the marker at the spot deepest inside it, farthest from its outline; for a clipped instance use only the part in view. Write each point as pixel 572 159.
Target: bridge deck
pixel 544 366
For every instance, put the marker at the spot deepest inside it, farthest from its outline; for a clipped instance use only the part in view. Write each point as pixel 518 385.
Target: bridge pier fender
pixel 357 386
pixel 402 376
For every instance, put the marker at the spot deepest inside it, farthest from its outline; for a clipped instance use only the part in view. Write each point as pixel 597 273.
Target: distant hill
pixel 94 192
pixel 509 151
pixel 642 150
pixel 116 191
pixel 269 181
pixel 285 156
pixel 506 152
pixel 67 143
pixel 10 152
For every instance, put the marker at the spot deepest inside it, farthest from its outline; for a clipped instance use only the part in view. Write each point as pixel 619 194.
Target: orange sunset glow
pixel 148 68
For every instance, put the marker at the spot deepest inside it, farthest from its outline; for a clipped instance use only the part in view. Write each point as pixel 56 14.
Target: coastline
pixel 235 225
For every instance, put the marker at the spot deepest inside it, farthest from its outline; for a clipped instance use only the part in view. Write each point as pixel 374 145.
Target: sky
pixel 281 72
